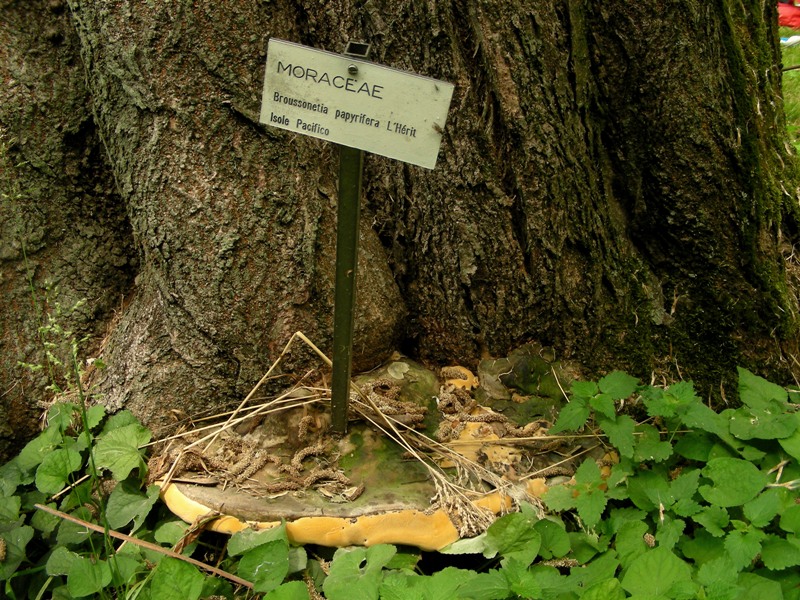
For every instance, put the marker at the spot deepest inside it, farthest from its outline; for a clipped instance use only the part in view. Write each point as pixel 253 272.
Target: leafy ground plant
pixel 791 85
pixel 693 504
pixel 686 503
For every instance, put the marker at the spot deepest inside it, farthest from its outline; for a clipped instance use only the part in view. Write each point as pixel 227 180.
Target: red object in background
pixel 788 15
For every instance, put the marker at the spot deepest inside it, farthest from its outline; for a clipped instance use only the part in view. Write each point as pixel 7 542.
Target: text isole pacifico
pixel 347 84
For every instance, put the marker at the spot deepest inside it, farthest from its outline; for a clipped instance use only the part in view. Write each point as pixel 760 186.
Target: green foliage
pixel 791 88
pixel 693 504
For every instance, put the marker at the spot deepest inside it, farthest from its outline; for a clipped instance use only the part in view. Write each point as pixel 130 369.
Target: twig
pixel 148 545
pixel 555 376
pixel 71 487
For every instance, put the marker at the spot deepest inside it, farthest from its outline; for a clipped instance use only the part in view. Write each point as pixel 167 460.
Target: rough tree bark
pixel 613 182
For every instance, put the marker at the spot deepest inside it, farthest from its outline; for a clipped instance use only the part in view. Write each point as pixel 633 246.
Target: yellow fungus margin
pixel 425 530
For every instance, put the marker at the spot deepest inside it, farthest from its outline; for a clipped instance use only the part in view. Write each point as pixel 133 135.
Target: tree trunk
pixel 613 182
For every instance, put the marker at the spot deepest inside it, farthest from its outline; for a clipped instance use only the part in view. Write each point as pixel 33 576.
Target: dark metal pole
pixel 350 164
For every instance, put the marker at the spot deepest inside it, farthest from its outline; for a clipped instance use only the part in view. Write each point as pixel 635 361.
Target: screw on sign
pixel 361 106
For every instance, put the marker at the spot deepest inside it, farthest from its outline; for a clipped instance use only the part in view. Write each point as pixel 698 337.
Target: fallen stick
pixel 148 545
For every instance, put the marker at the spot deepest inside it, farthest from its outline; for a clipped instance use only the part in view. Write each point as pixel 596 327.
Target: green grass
pixel 791 87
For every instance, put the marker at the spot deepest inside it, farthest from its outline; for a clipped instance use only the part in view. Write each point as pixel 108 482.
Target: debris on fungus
pixel 423 463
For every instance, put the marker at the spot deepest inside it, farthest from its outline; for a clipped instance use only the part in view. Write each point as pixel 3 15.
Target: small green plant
pixel 694 504
pixel 59 346
pixel 63 469
pixel 699 504
pixel 791 87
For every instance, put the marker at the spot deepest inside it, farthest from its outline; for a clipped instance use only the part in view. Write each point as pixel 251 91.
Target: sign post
pixel 360 106
pixel 350 168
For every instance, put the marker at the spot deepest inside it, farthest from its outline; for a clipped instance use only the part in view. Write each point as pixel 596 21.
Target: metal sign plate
pixel 354 102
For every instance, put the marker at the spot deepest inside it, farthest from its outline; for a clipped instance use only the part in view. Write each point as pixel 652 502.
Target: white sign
pixel 354 102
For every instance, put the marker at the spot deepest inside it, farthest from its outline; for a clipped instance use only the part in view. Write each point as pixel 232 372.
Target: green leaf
pixel 620 432
pixel 743 546
pixel 647 489
pixel 685 485
pixel 560 497
pixel 629 541
pixel 584 389
pixel 175 579
pixel 400 561
pixel 585 546
pixel 778 553
pixel 654 573
pixel 719 573
pixel 118 420
pixel 356 572
pixel 603 404
pixel 38 448
pixel 616 481
pixel 79 495
pixel 247 539
pixel 790 519
pixel 60 561
pixel 668 403
pixel 695 445
pixel 617 517
pixel 555 541
pixel 398 585
pixel 9 510
pixel 650 446
pixel 735 481
pixel 572 416
pixel 60 415
pixel 70 533
pixel 521 580
pixel 87 577
pixel 16 540
pixel 755 391
pixel 702 547
pixel 714 519
pixel 669 531
pixel 266 566
pixel 763 423
pixel 599 569
pixel 10 478
pixel 491 585
pixel 298 560
pixel 54 472
pixel 126 503
pixel 513 536
pixel 169 533
pixel 554 584
pixel 291 590
pixel 590 504
pixel 763 508
pixel 473 545
pixel 94 415
pixel 755 587
pixel 118 450
pixel 791 444
pixel 125 567
pixel 45 523
pixel 444 585
pixel 618 384
pixel 604 590
pixel 588 473
pixel 591 500
pixel 699 416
